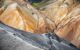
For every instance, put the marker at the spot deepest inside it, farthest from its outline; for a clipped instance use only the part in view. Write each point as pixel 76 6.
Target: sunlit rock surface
pixel 66 16
pixel 61 17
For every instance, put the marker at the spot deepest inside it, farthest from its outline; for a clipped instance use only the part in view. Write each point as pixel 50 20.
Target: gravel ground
pixel 10 42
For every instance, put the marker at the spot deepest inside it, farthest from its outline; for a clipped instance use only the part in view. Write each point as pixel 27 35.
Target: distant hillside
pixel 41 3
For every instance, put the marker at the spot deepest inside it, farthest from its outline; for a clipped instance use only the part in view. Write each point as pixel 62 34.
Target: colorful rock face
pixel 66 16
pixel 17 18
pixel 21 18
pixel 63 18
